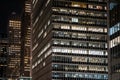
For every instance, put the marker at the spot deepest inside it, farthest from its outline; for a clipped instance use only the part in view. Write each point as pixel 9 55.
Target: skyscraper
pixel 15 45
pixel 4 59
pixel 69 40
pixel 26 40
pixel 114 33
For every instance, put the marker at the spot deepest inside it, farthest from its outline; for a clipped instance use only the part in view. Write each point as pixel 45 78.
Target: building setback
pixel 114 33
pixel 69 40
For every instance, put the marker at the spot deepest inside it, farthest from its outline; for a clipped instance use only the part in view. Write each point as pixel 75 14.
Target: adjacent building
pixel 19 42
pixel 14 46
pixel 114 33
pixel 69 40
pixel 4 58
pixel 26 41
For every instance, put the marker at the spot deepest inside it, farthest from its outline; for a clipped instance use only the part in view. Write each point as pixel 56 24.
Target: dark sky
pixel 6 8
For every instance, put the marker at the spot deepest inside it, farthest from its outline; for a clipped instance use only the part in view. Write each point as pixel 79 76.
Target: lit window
pixel 82 67
pixel 90 6
pixel 65 27
pixel 98 7
pixel 48 1
pixel 79 59
pixel 74 19
pixel 93 29
pixel 114 29
pixel 82 28
pixel 78 4
pixel 95 52
pixel 75 4
pixel 64 10
pixel 40 33
pixel 45 34
pixel 115 42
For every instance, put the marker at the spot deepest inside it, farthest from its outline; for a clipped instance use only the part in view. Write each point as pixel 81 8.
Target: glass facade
pixel 114 33
pixel 69 42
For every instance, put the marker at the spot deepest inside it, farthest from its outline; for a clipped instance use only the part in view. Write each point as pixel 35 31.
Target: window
pixel 64 11
pixel 94 45
pixel 95 7
pixel 90 6
pixel 74 35
pixel 96 37
pixel 55 9
pixel 75 43
pixel 82 28
pixel 56 42
pixel 82 36
pixel 78 4
pixel 115 42
pixel 65 27
pixel 96 52
pixel 114 29
pixel 97 60
pixel 44 49
pixel 80 12
pixel 93 29
pixel 75 4
pixel 47 3
pixel 68 50
pixel 81 75
pixel 74 19
pixel 99 7
pixel 40 33
pixel 82 67
pixel 97 68
pixel 66 19
pixel 79 59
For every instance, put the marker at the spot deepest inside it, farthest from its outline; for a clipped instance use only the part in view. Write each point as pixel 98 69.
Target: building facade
pixel 4 58
pixel 114 33
pixel 69 40
pixel 26 40
pixel 14 46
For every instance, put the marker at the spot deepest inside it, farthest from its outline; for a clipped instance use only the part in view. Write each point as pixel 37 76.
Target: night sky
pixel 6 8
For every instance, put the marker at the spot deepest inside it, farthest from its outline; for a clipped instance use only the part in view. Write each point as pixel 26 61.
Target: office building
pixel 114 33
pixel 4 58
pixel 14 46
pixel 69 40
pixel 26 40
